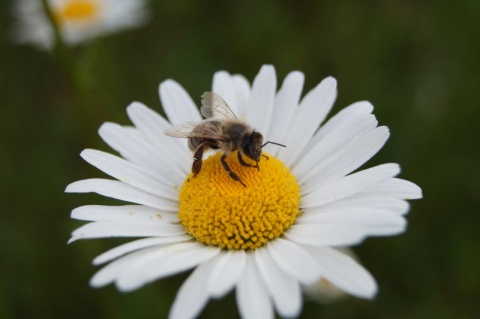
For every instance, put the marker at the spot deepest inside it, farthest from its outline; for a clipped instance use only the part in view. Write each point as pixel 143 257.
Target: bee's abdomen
pixel 195 142
pixel 202 131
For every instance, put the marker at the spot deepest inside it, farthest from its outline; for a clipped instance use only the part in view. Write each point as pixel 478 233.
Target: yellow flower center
pixel 77 10
pixel 219 211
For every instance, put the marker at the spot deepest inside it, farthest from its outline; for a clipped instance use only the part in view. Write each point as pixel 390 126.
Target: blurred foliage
pixel 416 61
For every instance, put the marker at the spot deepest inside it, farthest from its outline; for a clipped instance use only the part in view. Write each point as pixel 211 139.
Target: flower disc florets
pixel 219 211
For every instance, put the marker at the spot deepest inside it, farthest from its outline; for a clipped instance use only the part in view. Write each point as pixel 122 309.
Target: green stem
pixel 78 104
pixel 60 47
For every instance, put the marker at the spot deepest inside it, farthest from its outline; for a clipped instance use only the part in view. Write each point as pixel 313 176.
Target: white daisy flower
pixel 78 20
pixel 267 239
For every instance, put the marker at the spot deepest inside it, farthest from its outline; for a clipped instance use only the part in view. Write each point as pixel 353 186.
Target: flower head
pixel 77 20
pixel 268 236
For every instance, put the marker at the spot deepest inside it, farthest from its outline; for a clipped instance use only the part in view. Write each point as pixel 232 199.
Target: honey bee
pixel 220 130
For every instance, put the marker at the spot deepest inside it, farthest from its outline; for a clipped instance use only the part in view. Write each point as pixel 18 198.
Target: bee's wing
pixel 181 130
pixel 195 129
pixel 213 106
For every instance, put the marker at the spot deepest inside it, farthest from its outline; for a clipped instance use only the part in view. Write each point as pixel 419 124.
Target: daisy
pixel 284 230
pixel 77 20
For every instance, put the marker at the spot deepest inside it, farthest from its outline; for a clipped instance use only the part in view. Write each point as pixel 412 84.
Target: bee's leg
pixel 242 161
pixel 229 171
pixel 197 160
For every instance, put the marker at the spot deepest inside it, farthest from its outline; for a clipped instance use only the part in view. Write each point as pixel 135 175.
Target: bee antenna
pixel 270 142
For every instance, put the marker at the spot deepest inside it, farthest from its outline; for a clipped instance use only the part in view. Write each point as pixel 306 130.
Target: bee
pixel 221 130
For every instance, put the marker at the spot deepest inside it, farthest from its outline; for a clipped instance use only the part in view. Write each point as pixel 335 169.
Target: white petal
pixel 110 272
pixel 130 173
pixel 345 273
pixel 397 188
pixel 294 260
pixel 326 235
pixel 224 86
pixel 133 147
pixel 374 222
pixel 284 289
pixel 177 103
pixel 353 155
pixel 310 114
pixel 395 205
pixel 128 142
pixel 262 98
pixel 286 103
pixel 193 295
pixel 344 119
pixel 346 115
pixel 163 262
pixel 227 269
pixel 122 191
pixel 315 153
pixel 125 14
pixel 129 213
pixel 125 229
pixel 153 127
pixel 242 87
pixel 252 296
pixel 349 185
pixel 137 245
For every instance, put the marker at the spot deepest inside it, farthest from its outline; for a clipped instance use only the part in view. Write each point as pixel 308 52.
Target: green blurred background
pixel 418 62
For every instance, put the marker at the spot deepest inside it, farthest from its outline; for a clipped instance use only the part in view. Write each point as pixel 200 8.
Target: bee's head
pixel 252 146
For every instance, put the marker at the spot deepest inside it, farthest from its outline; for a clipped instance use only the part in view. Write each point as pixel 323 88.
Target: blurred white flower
pixel 266 239
pixel 78 20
